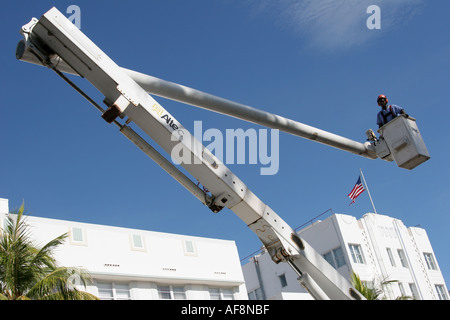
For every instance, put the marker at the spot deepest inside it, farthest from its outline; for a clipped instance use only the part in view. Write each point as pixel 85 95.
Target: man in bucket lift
pixel 387 113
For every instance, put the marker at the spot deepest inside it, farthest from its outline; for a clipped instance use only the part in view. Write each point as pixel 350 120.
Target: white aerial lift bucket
pixel 405 142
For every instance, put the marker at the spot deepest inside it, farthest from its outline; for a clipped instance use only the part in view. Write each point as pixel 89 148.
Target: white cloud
pixel 336 23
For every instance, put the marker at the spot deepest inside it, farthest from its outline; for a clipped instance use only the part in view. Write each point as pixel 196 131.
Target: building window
pixel 255 294
pixel 335 257
pixel 339 257
pixel 121 291
pixel 113 291
pixel 391 257
pixel 189 248
pixel 413 289
pixel 221 294
pixel 164 292
pixel 283 280
pixel 137 242
pixel 356 252
pixel 77 236
pixel 105 291
pixel 402 256
pixel 227 294
pixel 214 293
pixel 440 289
pixel 179 293
pixel 168 292
pixel 431 264
pixel 402 289
pixel 329 257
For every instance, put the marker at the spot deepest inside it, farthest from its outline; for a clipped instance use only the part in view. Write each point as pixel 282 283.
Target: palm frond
pixel 373 290
pixel 73 295
pixel 30 272
pixel 367 289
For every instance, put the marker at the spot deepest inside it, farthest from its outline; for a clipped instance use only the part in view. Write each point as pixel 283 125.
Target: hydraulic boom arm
pixel 177 92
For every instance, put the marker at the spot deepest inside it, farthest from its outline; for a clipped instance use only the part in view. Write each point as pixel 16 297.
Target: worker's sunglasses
pixel 381 99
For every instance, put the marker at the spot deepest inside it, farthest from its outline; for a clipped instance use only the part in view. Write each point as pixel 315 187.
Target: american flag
pixel 356 191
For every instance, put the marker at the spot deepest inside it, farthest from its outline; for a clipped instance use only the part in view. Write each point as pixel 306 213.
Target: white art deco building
pixel 144 265
pixel 376 247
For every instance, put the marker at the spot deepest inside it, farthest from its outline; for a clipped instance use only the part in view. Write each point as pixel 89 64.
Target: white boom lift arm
pixel 55 42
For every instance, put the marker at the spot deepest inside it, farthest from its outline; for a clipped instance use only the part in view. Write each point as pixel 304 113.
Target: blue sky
pixel 312 61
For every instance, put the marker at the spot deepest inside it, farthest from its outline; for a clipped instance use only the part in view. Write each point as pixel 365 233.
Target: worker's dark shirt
pixel 384 116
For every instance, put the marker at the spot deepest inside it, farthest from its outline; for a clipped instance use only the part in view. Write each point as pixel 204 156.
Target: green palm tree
pixel 28 272
pixel 370 290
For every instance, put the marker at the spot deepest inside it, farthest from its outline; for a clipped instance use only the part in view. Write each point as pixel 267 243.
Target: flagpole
pixel 368 192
